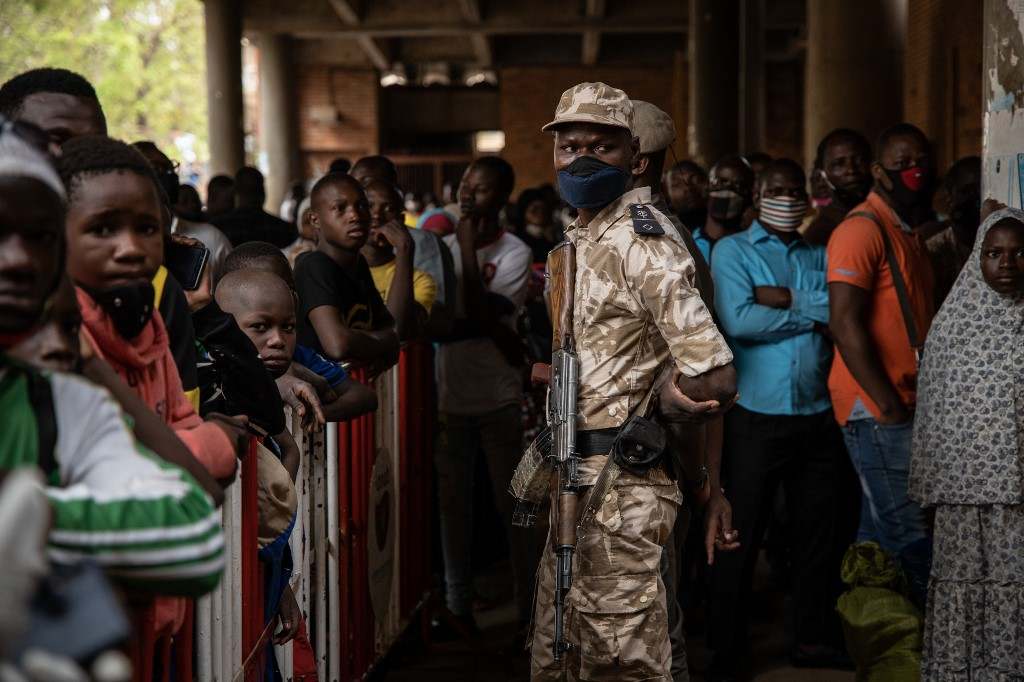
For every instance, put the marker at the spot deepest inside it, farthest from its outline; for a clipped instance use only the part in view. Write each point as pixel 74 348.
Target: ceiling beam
pixel 349 16
pixel 473 15
pixel 489 28
pixel 346 11
pixel 592 36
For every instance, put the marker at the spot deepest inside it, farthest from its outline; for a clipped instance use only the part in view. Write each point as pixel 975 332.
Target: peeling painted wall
pixel 1003 155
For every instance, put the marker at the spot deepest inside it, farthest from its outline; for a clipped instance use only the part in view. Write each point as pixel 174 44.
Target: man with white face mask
pixel 772 303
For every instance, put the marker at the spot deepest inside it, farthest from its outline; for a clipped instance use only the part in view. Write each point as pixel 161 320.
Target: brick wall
pixel 529 96
pixel 338 114
pixel 942 91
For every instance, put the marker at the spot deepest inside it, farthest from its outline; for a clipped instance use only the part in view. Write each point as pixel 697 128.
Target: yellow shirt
pixel 424 288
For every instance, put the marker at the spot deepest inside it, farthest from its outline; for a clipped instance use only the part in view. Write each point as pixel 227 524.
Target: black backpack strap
pixel 40 394
pixel 897 279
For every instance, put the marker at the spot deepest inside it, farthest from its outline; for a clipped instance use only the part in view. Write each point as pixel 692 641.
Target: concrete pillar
pixel 714 68
pixel 1003 103
pixel 278 134
pixel 224 85
pixel 854 68
pixel 752 66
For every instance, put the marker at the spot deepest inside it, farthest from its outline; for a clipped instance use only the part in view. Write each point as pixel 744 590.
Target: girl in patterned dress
pixel 966 463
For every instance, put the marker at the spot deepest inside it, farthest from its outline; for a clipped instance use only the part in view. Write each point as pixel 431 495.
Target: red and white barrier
pixel 360 544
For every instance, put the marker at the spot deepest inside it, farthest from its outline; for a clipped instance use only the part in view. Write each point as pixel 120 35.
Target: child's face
pixel 54 346
pixel 342 214
pixel 1002 258
pixel 114 230
pixel 385 206
pixel 269 322
pixel 31 222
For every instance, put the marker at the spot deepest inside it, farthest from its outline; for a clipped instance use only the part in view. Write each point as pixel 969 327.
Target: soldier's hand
pixel 675 406
pixel 719 534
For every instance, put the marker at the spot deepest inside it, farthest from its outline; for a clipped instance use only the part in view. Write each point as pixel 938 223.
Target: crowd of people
pixel 834 356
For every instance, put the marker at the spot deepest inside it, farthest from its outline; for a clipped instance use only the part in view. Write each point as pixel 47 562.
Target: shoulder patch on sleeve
pixel 644 220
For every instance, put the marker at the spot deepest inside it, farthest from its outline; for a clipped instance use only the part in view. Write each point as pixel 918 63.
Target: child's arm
pixel 354 399
pixel 342 343
pixel 303 398
pixel 291 457
pixel 401 301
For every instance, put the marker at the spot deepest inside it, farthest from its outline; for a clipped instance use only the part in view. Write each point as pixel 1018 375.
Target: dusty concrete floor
pixel 489 661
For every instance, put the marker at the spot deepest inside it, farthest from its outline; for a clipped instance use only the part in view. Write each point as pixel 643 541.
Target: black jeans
pixel 805 454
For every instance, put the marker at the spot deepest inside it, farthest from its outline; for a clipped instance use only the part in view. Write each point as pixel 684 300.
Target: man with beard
pixel 731 192
pixel 950 248
pixel 843 161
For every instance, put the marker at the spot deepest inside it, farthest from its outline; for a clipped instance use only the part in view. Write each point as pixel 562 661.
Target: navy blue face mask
pixel 591 183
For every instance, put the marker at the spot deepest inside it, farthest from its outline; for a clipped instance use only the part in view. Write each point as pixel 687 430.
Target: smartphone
pixel 186 263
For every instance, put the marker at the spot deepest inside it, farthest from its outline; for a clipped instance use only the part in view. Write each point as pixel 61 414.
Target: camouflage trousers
pixel 615 617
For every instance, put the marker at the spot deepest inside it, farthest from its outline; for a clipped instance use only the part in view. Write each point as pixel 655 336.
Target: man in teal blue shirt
pixel 772 304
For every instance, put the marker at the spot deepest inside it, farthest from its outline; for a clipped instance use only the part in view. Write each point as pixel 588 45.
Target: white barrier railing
pixel 342 468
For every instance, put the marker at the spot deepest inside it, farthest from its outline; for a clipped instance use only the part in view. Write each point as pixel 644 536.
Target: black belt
pixel 595 442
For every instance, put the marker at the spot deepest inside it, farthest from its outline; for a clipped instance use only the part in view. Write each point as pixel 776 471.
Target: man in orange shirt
pixel 874 374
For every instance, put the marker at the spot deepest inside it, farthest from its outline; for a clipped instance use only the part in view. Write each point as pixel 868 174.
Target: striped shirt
pixel 147 522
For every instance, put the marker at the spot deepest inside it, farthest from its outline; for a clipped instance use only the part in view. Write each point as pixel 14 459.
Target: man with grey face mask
pixel 772 303
pixel 730 193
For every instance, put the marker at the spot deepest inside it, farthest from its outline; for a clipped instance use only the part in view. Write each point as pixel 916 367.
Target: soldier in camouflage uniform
pixel 636 309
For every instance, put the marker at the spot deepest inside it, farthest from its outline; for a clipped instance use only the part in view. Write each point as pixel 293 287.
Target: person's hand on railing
pixel 289 616
pixel 303 400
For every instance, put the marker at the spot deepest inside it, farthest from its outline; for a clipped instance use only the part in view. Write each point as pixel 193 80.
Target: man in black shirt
pixel 341 315
pixel 249 222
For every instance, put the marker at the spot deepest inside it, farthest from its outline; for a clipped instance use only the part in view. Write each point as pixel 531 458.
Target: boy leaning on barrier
pixel 341 315
pixel 338 397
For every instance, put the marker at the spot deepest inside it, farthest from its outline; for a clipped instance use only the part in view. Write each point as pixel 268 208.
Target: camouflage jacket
pixel 636 304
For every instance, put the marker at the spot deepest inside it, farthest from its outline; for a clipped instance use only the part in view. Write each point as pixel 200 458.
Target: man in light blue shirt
pixel 772 304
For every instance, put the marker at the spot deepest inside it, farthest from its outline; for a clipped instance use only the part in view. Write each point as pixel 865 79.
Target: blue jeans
pixel 881 455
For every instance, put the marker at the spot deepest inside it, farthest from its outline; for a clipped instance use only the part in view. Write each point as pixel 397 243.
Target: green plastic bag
pixel 882 627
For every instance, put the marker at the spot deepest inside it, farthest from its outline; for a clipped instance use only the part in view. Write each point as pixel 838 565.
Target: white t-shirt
pixel 473 376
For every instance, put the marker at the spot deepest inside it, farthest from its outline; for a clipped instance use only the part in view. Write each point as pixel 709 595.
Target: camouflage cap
pixel 593 103
pixel 653 126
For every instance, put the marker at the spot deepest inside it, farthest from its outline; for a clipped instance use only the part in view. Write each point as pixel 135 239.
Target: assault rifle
pixel 561 408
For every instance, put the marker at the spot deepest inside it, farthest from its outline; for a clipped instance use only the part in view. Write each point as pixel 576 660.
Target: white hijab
pixel 969 426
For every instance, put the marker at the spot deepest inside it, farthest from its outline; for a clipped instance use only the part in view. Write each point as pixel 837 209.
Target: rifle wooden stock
pixel 562 273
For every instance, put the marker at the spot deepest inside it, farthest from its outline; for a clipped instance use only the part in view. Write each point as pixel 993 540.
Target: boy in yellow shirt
pixel 408 293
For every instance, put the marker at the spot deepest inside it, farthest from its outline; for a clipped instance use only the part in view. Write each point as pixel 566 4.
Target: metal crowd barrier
pixel 360 544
